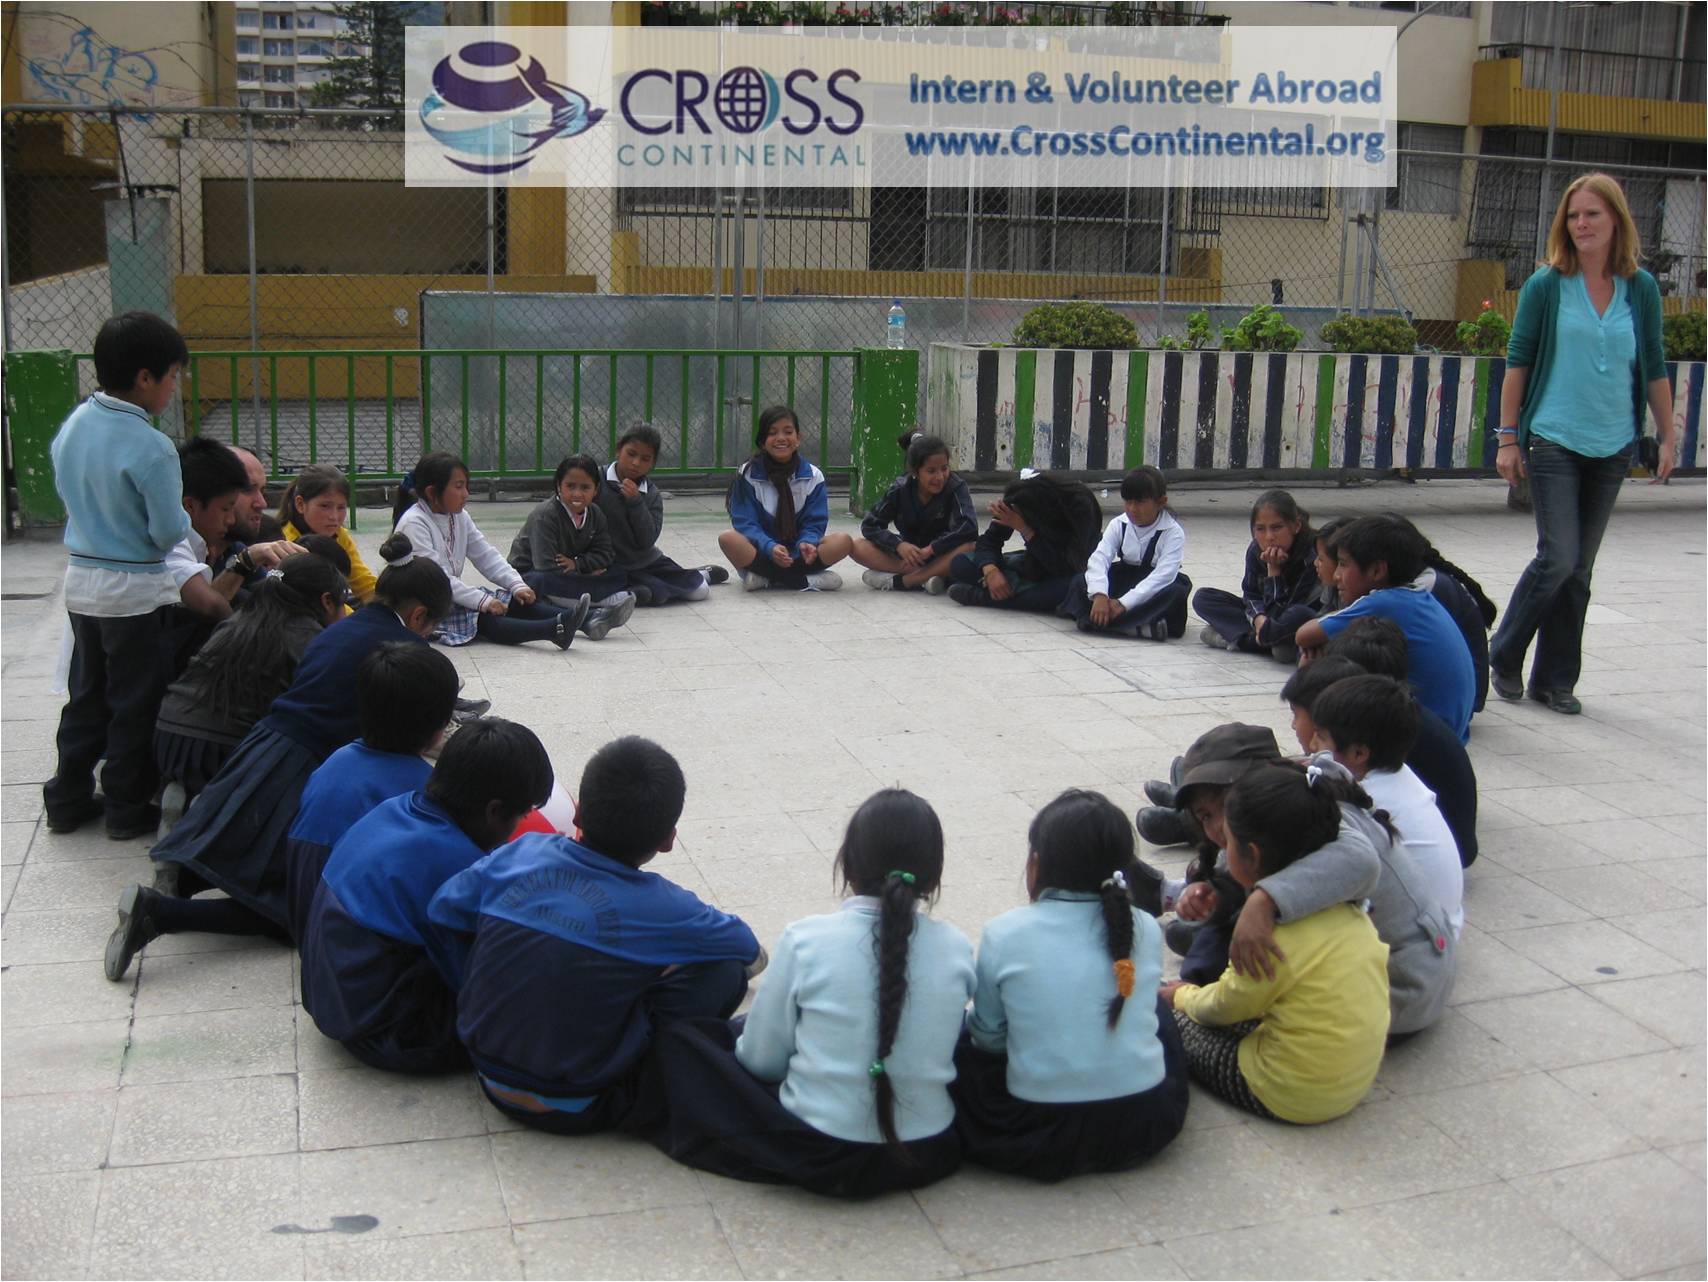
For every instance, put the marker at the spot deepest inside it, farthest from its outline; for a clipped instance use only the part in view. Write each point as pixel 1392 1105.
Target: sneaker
pixel 612 613
pixel 1179 934
pixel 76 815
pixel 145 823
pixel 715 573
pixel 470 709
pixel 642 594
pixel 1215 640
pixel 878 580
pixel 700 593
pixel 1161 793
pixel 1162 826
pixel 936 585
pixel 1561 701
pixel 966 593
pixel 133 931
pixel 1156 630
pixel 173 801
pixel 823 581
pixel 1508 687
pixel 1286 652
pixel 753 582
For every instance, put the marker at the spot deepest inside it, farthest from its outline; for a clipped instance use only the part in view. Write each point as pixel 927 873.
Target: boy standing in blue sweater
pixel 120 482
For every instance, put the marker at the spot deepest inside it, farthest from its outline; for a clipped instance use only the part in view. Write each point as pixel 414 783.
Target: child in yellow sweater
pixel 316 502
pixel 1304 1044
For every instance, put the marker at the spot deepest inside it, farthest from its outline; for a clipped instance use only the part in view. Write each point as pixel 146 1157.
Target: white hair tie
pixel 1117 879
pixel 405 559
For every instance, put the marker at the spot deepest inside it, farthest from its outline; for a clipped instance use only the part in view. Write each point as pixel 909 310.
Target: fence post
pixel 886 400
pixel 41 389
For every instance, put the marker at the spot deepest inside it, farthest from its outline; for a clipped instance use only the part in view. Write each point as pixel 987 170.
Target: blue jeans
pixel 1573 497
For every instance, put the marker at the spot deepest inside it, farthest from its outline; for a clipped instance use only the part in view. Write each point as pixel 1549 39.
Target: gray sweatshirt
pixel 1364 863
pixel 634 523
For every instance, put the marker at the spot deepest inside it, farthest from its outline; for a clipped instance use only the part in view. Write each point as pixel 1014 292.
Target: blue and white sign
pixel 906 106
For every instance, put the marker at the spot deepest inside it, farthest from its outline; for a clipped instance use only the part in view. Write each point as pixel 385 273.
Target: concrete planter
pixel 1003 408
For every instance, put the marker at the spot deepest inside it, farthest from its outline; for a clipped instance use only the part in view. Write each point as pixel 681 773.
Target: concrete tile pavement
pixel 192 1121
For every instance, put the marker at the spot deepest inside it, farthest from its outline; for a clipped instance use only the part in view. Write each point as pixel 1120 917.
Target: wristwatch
pixel 243 563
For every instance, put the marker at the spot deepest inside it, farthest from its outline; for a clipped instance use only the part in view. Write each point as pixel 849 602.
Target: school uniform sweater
pixel 348 784
pixel 121 485
pixel 554 947
pixel 188 709
pixel 752 504
pixel 634 524
pixel 1440 760
pixel 1461 607
pixel 361 579
pixel 1045 981
pixel 450 542
pixel 941 523
pixel 1272 595
pixel 1162 543
pixel 319 710
pixel 1324 1015
pixel 366 971
pixel 550 531
pixel 814 1025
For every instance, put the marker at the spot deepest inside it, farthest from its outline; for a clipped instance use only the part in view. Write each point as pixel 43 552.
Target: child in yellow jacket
pixel 316 502
pixel 1303 1043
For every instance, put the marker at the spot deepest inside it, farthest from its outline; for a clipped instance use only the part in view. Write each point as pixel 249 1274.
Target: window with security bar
pixel 1424 185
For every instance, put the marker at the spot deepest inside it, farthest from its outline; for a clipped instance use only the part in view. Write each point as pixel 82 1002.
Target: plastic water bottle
pixel 896 328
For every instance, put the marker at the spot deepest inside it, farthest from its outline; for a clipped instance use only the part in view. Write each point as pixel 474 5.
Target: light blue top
pixel 1586 404
pixel 1045 980
pixel 123 492
pixel 814 1025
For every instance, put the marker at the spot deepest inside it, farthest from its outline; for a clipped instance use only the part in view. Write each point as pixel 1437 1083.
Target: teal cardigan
pixel 1531 345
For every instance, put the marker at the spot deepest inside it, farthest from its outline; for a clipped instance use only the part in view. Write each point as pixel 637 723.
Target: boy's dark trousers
pixel 120 669
pixel 1040 595
pixel 1168 605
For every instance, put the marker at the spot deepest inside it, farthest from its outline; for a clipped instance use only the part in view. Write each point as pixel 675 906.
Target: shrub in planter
pixel 1197 335
pixel 1487 335
pixel 1262 329
pixel 1378 335
pixel 1683 336
pixel 1078 324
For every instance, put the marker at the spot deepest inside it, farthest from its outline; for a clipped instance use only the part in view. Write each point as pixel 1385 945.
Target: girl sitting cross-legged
pixel 780 510
pixel 564 550
pixel 932 511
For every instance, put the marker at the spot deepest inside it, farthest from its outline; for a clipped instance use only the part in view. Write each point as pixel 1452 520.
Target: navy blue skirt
pixel 666 580
pixel 233 834
pixel 189 761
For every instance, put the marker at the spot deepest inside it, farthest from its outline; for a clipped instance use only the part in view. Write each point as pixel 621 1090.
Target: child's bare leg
pixel 736 549
pixel 931 569
pixel 833 548
pixel 873 557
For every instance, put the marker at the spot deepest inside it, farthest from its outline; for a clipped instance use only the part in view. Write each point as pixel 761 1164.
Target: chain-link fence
pixel 267 232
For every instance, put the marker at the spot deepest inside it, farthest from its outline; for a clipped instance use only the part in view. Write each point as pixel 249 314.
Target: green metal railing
pixel 524 425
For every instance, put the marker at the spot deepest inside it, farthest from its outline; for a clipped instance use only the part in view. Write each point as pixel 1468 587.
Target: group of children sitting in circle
pixel 465 914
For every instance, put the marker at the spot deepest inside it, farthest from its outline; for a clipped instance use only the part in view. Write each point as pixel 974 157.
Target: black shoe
pixel 1156 630
pixel 1178 935
pixel 571 619
pixel 1144 885
pixel 602 618
pixel 1562 701
pixel 145 823
pixel 1164 827
pixel 1177 771
pixel 135 929
pixel 966 593
pixel 1510 688
pixel 1161 793
pixel 469 709
pixel 715 573
pixel 76 815
pixel 643 595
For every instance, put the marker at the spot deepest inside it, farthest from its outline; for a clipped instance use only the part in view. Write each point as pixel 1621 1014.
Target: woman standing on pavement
pixel 1584 358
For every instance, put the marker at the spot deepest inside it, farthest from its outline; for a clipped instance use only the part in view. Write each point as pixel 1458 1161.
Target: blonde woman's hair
pixel 1627 246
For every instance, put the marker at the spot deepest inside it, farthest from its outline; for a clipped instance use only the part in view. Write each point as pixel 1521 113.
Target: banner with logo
pixel 1100 107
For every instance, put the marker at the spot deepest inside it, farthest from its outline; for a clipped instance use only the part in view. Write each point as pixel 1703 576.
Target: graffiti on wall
pixel 91 72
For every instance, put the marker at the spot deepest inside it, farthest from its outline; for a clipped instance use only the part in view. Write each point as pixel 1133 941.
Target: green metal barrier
pixel 886 402
pixel 626 372
pixel 41 389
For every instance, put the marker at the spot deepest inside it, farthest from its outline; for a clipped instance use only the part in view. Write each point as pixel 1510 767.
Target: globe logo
pixel 746 100
pixel 497 110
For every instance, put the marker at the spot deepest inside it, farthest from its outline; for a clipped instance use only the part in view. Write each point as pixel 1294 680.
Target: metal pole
pixel 1340 276
pixel 717 267
pixel 491 258
pixel 254 285
pixel 967 268
pixel 1544 215
pixel 738 258
pixel 1375 231
pixel 1167 226
pixel 1358 260
pixel 759 266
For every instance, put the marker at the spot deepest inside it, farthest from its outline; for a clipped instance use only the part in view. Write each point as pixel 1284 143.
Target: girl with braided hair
pixel 839 1079
pixel 1303 1043
pixel 1070 1063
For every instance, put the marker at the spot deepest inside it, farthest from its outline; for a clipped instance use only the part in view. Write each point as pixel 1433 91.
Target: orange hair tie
pixel 1124 977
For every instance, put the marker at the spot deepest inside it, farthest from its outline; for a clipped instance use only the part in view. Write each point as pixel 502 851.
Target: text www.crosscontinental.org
pixel 1121 140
